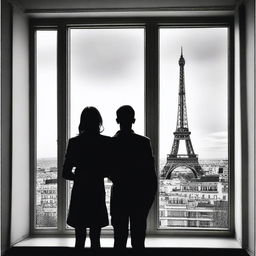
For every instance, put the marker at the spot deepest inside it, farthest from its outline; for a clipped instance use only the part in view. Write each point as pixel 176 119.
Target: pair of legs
pixel 80 234
pixel 138 223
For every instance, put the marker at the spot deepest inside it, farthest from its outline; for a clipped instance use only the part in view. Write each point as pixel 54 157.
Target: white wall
pixel 238 135
pixel 115 4
pixel 250 73
pixel 20 161
pixel 20 133
pixel 0 127
pixel 247 32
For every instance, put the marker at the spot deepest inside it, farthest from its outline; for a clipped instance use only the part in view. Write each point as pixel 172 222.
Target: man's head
pixel 125 116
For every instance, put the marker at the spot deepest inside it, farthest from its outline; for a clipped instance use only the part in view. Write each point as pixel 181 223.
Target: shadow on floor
pixel 67 251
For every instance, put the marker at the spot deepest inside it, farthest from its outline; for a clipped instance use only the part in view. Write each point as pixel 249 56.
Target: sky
pixel 107 71
pixel 46 92
pixel 205 53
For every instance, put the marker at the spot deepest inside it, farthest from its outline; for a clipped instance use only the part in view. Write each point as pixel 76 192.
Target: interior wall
pixel 6 131
pixel 20 135
pixel 254 32
pixel 117 4
pixel 238 134
pixel 247 54
pixel 250 73
pixel 6 122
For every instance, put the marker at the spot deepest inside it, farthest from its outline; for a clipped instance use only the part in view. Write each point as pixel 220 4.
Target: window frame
pixel 151 101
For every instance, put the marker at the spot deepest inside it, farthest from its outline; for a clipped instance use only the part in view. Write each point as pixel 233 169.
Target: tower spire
pixel 182 119
pixel 181 60
pixel 182 133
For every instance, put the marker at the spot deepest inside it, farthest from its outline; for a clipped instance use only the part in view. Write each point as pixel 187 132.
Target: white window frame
pixel 151 89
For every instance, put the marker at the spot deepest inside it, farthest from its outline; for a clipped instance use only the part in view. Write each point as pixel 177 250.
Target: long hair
pixel 90 121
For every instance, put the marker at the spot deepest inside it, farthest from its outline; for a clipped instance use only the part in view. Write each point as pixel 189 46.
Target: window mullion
pixel 152 105
pixel 62 120
pixel 33 131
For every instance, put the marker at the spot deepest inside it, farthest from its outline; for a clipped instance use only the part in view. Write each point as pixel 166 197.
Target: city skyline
pixel 184 202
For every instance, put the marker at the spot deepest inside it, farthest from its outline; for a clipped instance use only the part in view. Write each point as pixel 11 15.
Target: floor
pixel 68 251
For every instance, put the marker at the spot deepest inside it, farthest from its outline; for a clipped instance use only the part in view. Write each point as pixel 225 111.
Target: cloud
pixel 46 49
pixel 106 54
pixel 199 44
pixel 214 144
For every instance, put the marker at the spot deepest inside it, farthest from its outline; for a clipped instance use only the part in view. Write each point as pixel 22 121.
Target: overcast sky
pixel 107 71
pixel 205 53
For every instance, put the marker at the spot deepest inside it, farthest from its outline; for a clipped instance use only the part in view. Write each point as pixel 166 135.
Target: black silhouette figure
pixel 87 153
pixel 134 182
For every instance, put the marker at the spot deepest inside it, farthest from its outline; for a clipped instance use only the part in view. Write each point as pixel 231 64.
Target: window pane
pixel 107 71
pixel 46 98
pixel 193 157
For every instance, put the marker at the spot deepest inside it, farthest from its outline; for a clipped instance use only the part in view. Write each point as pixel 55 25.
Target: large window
pixel 193 137
pixel 106 71
pixel 46 175
pixel 183 79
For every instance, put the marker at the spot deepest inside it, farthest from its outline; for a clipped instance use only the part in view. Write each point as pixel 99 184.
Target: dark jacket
pixel 88 154
pixel 134 178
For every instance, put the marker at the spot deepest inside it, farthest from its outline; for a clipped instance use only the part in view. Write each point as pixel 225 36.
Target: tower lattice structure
pixel 190 159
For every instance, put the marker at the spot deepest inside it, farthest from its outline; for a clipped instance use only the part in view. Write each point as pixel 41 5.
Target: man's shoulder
pixel 141 138
pixel 133 137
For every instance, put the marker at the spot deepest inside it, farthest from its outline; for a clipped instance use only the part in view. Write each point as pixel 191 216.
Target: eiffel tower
pixel 189 160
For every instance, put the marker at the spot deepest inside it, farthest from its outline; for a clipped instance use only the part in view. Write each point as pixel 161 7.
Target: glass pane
pixel 107 71
pixel 46 100
pixel 193 157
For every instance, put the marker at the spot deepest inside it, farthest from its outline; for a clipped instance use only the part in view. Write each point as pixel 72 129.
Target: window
pixel 193 105
pixel 106 65
pixel 46 174
pixel 90 64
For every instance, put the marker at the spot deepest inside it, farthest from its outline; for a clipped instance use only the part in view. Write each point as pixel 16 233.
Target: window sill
pixel 151 242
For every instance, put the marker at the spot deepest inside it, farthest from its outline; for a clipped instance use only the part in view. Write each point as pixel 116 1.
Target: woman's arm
pixel 67 173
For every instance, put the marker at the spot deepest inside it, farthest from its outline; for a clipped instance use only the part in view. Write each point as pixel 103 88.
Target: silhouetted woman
pixel 85 163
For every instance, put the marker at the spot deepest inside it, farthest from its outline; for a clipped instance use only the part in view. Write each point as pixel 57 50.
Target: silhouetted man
pixel 134 182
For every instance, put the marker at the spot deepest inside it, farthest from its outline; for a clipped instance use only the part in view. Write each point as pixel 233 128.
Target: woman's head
pixel 90 120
